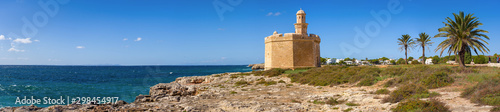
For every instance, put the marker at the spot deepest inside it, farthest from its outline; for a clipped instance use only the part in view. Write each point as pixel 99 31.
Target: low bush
pixel 267 83
pixel 429 76
pixel 330 101
pixel 367 81
pixel 404 92
pixel 233 76
pixel 415 105
pixel 415 62
pixel 382 91
pixel 351 104
pixel 426 95
pixel 299 70
pixel 485 92
pixel 270 73
pixel 347 110
pixel 241 82
pixel 333 101
pixel 281 81
pixel 436 80
pixel 334 75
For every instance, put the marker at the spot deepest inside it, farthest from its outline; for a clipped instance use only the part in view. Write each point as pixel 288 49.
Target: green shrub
pixel 404 92
pixel 481 59
pixel 415 105
pixel 348 109
pixel 486 92
pixel 426 95
pixel 382 91
pixel 415 62
pixel 270 83
pixel 436 80
pixel 318 102
pixel 267 83
pixel 367 81
pixel 241 82
pixel 299 70
pixel 281 81
pixel 233 92
pixel 233 76
pixel 422 73
pixel 393 71
pixel 333 101
pixel 270 73
pixel 334 75
pixel 351 104
pixel 436 60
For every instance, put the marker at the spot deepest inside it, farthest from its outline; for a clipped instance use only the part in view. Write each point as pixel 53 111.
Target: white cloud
pixel 36 40
pixel 80 47
pixel 270 14
pixel 273 14
pixel 53 60
pixel 138 39
pixel 277 14
pixel 15 50
pixel 24 41
pixel 125 39
pixel 2 37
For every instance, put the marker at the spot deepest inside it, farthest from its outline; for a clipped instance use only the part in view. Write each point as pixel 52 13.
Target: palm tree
pixel 424 41
pixel 405 42
pixel 462 36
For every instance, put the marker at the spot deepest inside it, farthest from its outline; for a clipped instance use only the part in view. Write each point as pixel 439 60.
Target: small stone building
pixel 293 50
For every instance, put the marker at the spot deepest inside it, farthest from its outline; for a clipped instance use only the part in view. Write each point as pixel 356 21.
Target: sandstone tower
pixel 293 50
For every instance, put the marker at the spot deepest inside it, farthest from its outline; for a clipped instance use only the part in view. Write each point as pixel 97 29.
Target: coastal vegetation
pixel 416 105
pixel 413 82
pixel 382 91
pixel 487 91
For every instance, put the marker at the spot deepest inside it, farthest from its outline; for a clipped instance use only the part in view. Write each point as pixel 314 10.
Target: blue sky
pixel 194 32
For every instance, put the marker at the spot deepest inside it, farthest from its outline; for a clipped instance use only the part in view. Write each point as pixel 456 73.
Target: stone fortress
pixel 293 50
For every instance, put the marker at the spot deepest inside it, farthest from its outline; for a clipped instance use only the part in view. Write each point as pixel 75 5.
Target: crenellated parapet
pixel 292 37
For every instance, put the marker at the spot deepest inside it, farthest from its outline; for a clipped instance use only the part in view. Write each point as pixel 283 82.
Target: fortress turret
pixel 301 25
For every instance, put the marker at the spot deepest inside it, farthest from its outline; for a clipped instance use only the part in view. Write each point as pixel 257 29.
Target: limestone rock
pixel 170 89
pixel 256 66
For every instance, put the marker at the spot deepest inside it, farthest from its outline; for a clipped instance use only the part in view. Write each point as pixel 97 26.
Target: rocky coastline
pixel 231 92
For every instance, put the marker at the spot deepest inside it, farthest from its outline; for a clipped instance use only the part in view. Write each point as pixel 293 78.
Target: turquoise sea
pixel 124 82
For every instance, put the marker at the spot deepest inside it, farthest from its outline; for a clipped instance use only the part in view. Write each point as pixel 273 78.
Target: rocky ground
pixel 229 92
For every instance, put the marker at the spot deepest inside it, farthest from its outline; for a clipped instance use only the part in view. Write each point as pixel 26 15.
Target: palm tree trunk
pixel 461 58
pixel 423 55
pixel 406 55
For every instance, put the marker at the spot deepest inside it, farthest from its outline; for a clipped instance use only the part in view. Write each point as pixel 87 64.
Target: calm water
pixel 124 82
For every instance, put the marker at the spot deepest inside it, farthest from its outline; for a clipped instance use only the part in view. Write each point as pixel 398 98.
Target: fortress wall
pixel 280 54
pixel 292 51
pixel 304 53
